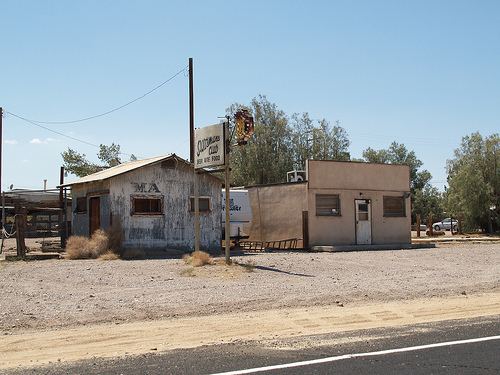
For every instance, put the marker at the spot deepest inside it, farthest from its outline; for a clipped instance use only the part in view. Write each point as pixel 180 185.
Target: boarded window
pixel 203 202
pixel 147 205
pixel 327 205
pixel 394 207
pixel 81 205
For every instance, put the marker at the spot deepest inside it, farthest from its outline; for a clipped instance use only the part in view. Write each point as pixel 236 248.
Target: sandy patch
pixel 111 340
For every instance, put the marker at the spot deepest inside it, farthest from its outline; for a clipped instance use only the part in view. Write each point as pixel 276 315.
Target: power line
pixel 59 133
pixel 100 114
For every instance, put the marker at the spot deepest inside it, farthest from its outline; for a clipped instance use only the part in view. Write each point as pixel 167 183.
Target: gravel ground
pixel 57 293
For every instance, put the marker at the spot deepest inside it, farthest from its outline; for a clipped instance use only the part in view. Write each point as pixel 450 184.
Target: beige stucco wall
pixel 352 181
pixel 354 175
pixel 277 211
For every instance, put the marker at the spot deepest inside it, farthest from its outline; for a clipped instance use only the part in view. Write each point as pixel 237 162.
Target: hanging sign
pixel 209 146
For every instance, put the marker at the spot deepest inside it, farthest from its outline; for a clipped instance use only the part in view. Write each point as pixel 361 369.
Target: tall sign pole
pixel 1 142
pixel 3 195
pixel 191 159
pixel 191 112
pixel 227 241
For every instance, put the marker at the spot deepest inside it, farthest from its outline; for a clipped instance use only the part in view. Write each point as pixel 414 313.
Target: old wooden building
pixel 153 201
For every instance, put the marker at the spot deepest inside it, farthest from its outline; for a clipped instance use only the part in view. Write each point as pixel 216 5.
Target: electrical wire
pixel 103 113
pixel 59 133
pixel 38 122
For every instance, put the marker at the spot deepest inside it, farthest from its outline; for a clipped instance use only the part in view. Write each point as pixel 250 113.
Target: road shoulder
pixel 113 340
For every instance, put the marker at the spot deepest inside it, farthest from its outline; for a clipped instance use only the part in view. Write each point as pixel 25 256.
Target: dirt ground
pixel 68 293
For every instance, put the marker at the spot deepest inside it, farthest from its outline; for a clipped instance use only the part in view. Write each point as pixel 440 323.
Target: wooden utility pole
pixel 227 187
pixel 62 226
pixel 191 112
pixel 1 142
pixel 191 159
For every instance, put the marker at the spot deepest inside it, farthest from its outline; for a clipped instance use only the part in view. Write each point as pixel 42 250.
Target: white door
pixel 363 222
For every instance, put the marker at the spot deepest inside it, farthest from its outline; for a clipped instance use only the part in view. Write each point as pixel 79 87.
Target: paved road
pixel 468 358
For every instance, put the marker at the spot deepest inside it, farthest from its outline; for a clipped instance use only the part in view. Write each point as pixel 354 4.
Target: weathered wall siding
pixel 175 228
pixel 105 211
pixel 277 211
pixel 80 225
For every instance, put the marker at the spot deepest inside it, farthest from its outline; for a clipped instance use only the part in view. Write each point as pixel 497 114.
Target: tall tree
pixel 428 202
pixel 281 144
pixel 474 182
pixel 266 157
pixel 77 163
pixel 397 153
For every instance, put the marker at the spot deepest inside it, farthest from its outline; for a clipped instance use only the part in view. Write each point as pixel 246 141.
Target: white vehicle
pixel 240 213
pixel 445 224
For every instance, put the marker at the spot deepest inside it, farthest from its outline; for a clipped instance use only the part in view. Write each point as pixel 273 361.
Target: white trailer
pixel 240 213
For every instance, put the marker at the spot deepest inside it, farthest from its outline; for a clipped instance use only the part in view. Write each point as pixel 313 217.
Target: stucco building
pixel 341 203
pixel 153 201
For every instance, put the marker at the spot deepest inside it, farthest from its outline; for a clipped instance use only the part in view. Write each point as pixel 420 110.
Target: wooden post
pixel 227 187
pixel 66 231
pixel 305 229
pixel 1 142
pixel 191 112
pixel 20 229
pixel 429 225
pixel 418 225
pixel 62 233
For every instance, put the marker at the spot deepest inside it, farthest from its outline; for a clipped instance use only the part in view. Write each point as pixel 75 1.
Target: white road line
pixel 356 355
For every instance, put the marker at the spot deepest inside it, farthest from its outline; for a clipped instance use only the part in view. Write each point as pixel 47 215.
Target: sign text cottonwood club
pixel 209 146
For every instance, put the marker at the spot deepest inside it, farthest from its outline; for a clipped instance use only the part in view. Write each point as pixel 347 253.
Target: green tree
pixel 428 201
pixel 281 144
pixel 474 182
pixel 266 157
pixel 397 153
pixel 77 163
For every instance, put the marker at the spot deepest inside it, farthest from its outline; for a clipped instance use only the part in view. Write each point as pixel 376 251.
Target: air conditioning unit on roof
pixel 296 176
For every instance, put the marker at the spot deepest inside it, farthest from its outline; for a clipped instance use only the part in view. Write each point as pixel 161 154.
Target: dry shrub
pixel 99 243
pixel 133 253
pixel 109 256
pixel 198 259
pixel 79 247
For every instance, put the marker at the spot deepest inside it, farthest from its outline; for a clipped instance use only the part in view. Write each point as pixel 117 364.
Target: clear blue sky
pixel 423 73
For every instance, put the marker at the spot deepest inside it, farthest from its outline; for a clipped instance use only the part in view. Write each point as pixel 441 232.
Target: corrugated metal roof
pixel 122 168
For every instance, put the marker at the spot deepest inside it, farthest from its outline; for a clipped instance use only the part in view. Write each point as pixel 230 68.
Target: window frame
pixel 135 197
pixel 338 208
pixel 191 203
pixel 78 209
pixel 396 214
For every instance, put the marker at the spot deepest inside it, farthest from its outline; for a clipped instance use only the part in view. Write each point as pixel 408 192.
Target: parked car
pixel 445 224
